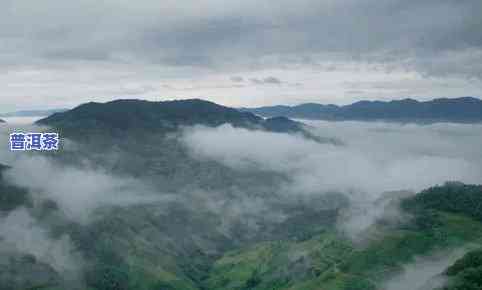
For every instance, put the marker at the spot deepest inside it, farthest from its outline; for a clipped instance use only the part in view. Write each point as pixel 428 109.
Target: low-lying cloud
pixel 78 192
pixel 425 273
pixel 376 158
pixel 20 232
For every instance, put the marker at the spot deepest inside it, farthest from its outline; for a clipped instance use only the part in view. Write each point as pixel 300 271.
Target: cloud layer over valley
pixel 266 181
pixel 375 157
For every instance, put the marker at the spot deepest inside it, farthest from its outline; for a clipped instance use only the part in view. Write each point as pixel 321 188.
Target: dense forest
pixel 126 209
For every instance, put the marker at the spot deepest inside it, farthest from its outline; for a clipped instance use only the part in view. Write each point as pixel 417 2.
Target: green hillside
pixel 466 273
pixel 131 248
pixel 198 230
pixel 330 261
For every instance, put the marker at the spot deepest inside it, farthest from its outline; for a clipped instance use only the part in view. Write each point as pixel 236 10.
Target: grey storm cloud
pixel 237 79
pixel 430 36
pixel 267 80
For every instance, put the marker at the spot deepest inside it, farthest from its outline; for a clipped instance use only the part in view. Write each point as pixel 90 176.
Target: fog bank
pixel 376 157
pixel 425 273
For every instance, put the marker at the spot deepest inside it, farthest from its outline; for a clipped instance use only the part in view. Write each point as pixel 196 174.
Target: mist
pixel 425 273
pixel 21 233
pixel 376 163
pixel 78 191
pixel 376 157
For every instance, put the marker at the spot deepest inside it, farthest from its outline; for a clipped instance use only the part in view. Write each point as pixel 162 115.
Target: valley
pixel 152 203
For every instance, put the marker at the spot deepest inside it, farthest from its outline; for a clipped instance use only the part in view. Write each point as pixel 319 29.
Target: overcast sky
pixel 57 53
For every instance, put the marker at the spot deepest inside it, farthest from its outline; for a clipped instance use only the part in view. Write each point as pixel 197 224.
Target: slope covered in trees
pixel 207 225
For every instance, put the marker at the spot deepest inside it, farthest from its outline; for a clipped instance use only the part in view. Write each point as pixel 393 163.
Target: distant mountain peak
pixel 406 100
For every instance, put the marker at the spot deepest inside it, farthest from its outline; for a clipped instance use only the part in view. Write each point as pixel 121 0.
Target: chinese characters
pixel 20 141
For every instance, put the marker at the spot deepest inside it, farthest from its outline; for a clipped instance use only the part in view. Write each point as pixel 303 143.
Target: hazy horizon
pixel 40 109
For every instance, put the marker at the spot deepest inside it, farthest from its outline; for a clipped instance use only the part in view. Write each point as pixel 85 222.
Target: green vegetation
pixel 452 197
pixel 182 246
pixel 329 261
pixel 280 265
pixel 121 257
pixel 466 273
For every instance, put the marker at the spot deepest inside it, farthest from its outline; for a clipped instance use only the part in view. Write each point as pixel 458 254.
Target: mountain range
pixel 464 110
pixel 128 205
pixel 145 116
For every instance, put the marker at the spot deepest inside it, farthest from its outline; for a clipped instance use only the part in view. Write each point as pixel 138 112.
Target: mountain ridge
pixel 461 110
pixel 165 116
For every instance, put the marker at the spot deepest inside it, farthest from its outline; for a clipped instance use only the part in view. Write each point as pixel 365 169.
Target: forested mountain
pixel 465 109
pixel 132 207
pixel 138 117
pixel 161 116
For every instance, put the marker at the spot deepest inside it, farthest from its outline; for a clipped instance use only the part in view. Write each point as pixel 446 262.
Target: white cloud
pixel 22 233
pixel 79 192
pixel 377 157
